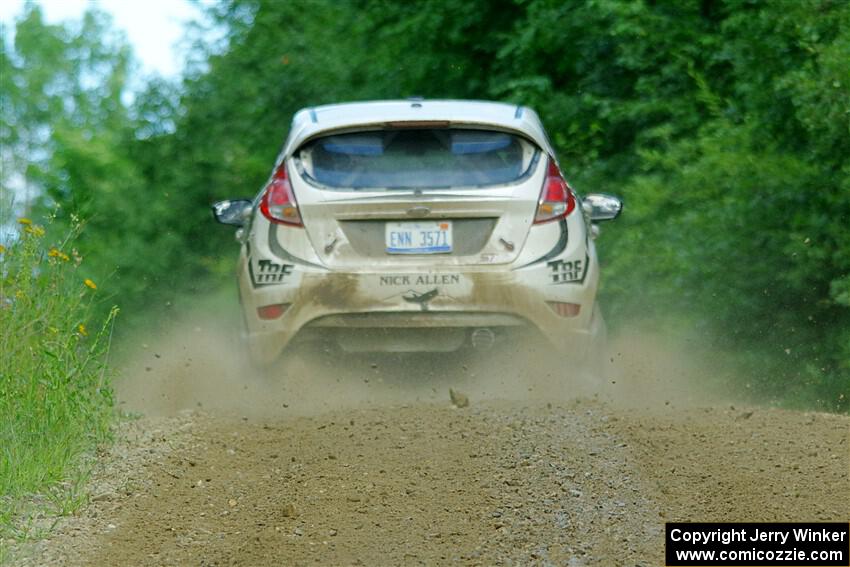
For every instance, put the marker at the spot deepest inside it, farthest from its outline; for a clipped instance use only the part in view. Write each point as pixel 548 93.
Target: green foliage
pixel 55 389
pixel 753 206
pixel 54 77
pixel 747 243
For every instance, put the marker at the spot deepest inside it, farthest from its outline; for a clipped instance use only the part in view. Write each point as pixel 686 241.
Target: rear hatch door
pixel 417 196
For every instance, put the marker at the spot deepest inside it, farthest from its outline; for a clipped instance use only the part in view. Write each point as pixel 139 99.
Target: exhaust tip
pixel 482 339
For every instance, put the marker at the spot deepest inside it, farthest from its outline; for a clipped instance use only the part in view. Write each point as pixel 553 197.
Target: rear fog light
pixel 272 311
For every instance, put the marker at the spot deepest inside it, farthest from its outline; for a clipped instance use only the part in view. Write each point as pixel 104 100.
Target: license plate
pixel 430 237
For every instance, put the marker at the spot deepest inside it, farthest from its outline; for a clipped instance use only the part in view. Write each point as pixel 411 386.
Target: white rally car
pixel 418 225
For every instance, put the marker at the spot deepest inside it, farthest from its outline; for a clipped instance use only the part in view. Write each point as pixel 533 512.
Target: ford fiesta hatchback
pixel 417 225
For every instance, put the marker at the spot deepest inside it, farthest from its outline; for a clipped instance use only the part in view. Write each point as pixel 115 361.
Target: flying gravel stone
pixel 459 400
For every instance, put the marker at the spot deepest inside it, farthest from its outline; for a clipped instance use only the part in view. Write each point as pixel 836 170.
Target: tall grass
pixel 56 400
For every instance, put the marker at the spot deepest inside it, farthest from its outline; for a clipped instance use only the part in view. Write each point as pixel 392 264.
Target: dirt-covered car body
pixel 417 225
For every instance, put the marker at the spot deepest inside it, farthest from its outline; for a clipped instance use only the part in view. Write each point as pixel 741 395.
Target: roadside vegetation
pixel 724 125
pixel 55 386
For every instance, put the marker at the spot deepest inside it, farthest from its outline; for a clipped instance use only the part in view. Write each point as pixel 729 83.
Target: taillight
pixel 556 198
pixel 272 311
pixel 278 201
pixel 564 309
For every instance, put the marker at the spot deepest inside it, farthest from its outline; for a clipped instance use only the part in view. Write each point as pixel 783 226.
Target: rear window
pixel 417 159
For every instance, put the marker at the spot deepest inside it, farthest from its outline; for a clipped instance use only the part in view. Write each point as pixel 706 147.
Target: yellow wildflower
pixel 2 248
pixel 19 294
pixel 54 253
pixel 24 221
pixel 82 330
pixel 35 230
pixel 90 284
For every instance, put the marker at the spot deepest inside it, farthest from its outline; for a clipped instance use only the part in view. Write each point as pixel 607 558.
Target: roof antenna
pixel 416 101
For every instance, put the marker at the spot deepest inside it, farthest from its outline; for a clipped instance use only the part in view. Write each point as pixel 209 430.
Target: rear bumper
pixel 325 304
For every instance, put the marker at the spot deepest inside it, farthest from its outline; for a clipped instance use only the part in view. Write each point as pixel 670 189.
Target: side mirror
pixel 601 207
pixel 235 212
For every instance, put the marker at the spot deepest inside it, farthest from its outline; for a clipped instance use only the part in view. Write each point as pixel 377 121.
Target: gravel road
pixel 355 466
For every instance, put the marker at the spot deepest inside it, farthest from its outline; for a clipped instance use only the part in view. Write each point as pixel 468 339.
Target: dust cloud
pixel 199 363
